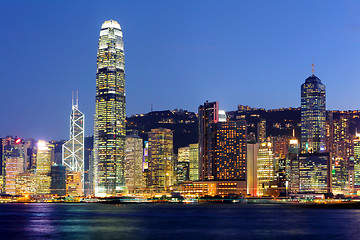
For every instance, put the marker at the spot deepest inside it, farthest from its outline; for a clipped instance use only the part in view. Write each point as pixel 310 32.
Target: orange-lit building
pixel 26 184
pixel 73 184
pixel 214 188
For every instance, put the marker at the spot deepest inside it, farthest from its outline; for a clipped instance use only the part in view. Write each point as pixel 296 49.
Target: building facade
pixel 110 106
pixel 134 163
pixel 208 115
pixel 251 166
pixel 194 162
pixel 265 168
pixel 314 161
pixel 58 180
pixel 313 115
pixel 161 161
pixel 43 168
pixel 222 145
pixel 315 176
pixel 230 151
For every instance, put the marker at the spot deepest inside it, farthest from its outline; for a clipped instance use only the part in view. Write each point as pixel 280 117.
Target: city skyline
pixel 281 51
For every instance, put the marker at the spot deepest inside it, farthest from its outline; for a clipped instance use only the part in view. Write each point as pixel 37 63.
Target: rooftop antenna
pixel 77 99
pixel 151 107
pixel 72 98
pixel 313 66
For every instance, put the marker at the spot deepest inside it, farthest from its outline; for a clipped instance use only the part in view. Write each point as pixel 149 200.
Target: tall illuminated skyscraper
pixel 73 150
pixel 208 116
pixel 265 167
pixel 314 162
pixel 313 115
pixel 222 145
pixel 43 168
pixel 109 121
pixel 161 162
pixel 134 162
pixel 194 162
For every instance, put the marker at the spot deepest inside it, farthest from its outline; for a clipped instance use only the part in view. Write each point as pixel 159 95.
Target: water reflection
pixel 165 221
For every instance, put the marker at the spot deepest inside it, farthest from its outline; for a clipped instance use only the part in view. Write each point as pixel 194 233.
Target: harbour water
pixel 175 221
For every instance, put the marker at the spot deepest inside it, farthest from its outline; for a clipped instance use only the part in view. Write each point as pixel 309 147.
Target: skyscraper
pixel 265 168
pixel 261 131
pixel 251 165
pixel 73 150
pixel 357 162
pixel 134 162
pixel 109 121
pixel 313 115
pixel 194 162
pixel 43 168
pixel 314 162
pixel 229 157
pixel 13 162
pixel 161 162
pixel 183 164
pixel 208 115
pixel 58 179
pixel 222 145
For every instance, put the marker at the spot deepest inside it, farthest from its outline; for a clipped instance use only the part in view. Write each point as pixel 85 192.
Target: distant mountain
pixel 183 123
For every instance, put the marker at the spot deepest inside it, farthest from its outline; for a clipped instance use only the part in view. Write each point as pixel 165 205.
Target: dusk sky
pixel 177 55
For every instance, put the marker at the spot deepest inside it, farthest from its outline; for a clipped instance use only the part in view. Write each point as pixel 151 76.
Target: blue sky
pixel 178 54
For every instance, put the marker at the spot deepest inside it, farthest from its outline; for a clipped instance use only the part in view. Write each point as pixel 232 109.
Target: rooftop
pixel 111 24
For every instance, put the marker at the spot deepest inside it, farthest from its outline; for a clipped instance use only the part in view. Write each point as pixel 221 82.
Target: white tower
pixel 73 150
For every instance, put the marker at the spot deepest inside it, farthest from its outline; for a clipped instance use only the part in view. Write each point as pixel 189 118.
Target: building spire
pixel 72 98
pixel 313 66
pixel 75 99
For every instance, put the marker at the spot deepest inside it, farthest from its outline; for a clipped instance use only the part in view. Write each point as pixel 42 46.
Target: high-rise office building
pixel 265 168
pixel 109 121
pixel 357 163
pixel 183 165
pixel 229 157
pixel 222 145
pixel 43 167
pixel 184 154
pixel 134 162
pixel 208 115
pixel 25 184
pixel 194 162
pixel 340 176
pixel 13 162
pixel 161 161
pixel 261 131
pixel 313 115
pixel 314 172
pixel 314 162
pixel 73 150
pixel 146 164
pixel 74 186
pixel 293 157
pixel 251 175
pixel 88 165
pixel 14 166
pixel 58 180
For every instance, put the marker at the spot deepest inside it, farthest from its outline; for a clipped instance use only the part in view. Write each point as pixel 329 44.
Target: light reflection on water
pixel 171 221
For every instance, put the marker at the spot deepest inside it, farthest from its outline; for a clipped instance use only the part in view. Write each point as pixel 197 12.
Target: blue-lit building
pixel 314 161
pixel 313 115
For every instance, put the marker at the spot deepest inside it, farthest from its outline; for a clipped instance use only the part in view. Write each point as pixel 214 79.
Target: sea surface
pixel 175 221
